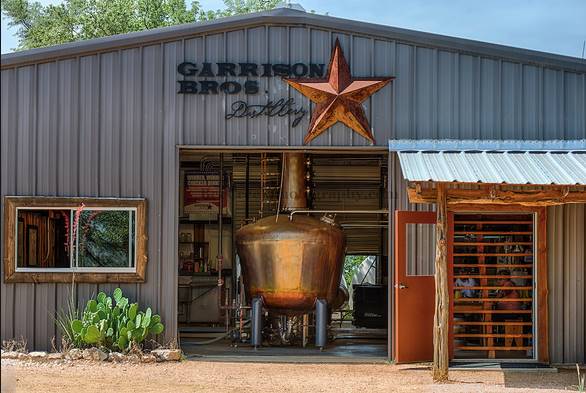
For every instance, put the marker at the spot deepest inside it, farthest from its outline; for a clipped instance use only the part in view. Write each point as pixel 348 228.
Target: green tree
pixel 351 265
pixel 237 7
pixel 73 20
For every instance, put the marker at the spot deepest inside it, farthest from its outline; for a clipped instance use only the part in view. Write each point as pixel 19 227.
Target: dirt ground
pixel 201 376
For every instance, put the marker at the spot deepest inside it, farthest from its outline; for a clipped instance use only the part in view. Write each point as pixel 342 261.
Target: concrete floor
pixel 346 350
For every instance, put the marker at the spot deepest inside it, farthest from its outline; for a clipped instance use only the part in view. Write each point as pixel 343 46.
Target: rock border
pixel 97 355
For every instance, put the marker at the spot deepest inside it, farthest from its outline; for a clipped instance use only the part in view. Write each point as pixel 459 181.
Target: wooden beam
pixel 494 195
pixel 442 300
pixel 542 288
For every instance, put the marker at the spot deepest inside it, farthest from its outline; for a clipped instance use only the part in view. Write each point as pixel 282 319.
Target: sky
pixel 555 26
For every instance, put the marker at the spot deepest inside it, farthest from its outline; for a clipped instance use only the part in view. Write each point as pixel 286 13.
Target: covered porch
pixel 491 260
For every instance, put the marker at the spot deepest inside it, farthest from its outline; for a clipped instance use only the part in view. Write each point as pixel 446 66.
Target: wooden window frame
pixel 541 265
pixel 12 203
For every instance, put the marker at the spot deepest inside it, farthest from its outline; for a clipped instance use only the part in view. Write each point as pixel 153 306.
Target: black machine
pixel 370 306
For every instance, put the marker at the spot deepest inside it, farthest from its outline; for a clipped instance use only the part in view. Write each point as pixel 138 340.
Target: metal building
pixel 115 118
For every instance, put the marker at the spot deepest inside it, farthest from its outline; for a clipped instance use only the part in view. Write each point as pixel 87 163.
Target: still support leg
pixel 305 329
pixel 256 338
pixel 442 301
pixel 321 321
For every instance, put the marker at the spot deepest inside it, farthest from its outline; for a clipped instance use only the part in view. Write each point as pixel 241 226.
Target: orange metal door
pixel 414 297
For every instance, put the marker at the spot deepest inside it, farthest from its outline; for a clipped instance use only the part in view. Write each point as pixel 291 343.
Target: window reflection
pixel 106 238
pixel 43 238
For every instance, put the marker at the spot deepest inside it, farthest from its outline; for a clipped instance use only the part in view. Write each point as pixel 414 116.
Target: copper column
pixel 293 195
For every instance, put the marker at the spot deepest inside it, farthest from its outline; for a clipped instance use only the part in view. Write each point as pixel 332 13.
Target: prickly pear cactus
pixel 114 323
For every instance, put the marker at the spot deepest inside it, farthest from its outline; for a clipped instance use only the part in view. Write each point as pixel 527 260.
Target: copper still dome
pixel 290 262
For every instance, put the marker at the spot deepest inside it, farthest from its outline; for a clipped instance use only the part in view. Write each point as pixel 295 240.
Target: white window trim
pixel 73 260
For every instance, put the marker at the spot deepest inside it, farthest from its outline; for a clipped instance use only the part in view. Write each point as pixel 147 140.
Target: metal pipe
pixel 321 320
pixel 241 308
pixel 247 190
pixel 233 294
pixel 363 226
pixel 382 202
pixel 371 222
pixel 220 256
pixel 256 318
pixel 221 207
pixel 281 177
pixel 227 308
pixel 379 211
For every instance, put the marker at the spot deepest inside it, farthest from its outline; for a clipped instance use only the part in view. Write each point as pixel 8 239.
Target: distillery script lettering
pixel 251 71
pixel 279 108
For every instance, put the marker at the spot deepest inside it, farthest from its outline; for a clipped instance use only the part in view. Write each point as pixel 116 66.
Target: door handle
pixel 401 286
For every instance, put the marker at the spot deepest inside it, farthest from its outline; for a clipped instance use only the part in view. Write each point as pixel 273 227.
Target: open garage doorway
pixel 222 192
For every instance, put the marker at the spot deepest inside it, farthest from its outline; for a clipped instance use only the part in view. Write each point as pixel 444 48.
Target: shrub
pixel 111 322
pixel 14 345
pixel 63 319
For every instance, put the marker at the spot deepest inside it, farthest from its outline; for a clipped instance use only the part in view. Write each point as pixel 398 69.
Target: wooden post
pixel 442 301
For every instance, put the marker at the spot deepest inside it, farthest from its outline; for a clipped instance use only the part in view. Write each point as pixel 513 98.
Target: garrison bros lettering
pixel 248 70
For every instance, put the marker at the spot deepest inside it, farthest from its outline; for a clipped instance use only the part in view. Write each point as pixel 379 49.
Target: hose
pixel 216 339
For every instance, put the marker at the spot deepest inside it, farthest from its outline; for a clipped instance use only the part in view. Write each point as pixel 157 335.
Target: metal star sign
pixel 338 97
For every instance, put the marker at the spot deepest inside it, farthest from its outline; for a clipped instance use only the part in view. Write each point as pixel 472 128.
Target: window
pixel 86 239
pixel 106 238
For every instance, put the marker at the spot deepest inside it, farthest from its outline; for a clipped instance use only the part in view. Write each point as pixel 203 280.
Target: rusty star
pixel 338 97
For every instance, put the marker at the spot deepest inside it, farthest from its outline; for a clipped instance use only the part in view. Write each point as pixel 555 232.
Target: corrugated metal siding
pixel 567 283
pixel 420 249
pixel 437 93
pixel 107 124
pixel 84 127
pixel 535 168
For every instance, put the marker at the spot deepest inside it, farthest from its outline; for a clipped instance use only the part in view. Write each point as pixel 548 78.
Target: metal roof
pixel 486 144
pixel 528 167
pixel 288 16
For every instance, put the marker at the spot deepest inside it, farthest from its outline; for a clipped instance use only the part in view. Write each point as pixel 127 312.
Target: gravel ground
pixel 201 376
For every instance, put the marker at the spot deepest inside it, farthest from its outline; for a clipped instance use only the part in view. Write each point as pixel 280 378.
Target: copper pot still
pixel 290 263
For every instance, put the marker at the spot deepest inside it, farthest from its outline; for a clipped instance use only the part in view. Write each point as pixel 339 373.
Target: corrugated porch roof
pixel 493 162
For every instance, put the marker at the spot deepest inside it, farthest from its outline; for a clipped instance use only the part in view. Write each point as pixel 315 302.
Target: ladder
pixel 270 183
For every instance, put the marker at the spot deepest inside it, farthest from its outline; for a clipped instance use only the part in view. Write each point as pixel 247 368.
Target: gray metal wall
pixel 567 283
pixel 68 129
pixel 107 125
pixel 437 93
